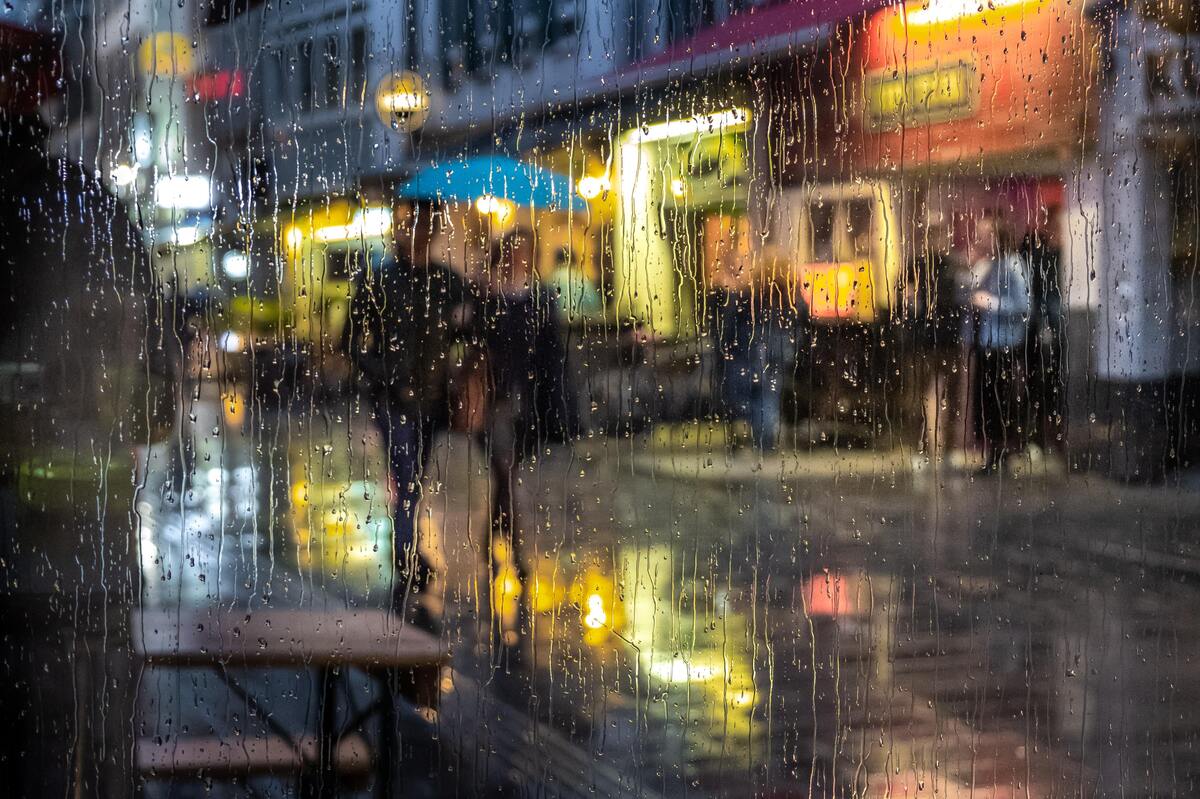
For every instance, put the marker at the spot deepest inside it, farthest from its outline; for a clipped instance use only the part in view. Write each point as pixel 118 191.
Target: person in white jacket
pixel 998 322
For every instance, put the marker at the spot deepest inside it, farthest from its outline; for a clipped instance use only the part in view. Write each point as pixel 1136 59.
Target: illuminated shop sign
pixel 922 95
pixel 841 291
pixel 981 82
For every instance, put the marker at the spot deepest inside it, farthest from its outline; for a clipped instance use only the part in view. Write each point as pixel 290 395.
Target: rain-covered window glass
pixel 650 398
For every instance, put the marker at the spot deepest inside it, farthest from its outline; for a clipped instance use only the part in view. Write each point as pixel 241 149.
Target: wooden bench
pixel 273 754
pixel 402 658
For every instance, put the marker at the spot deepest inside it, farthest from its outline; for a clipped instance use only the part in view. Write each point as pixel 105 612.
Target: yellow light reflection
pixel 596 616
pixel 300 494
pixel 235 409
pixel 546 593
pixel 595 595
pixel 506 598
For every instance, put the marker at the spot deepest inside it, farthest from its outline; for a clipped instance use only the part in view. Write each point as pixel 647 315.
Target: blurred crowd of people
pixel 985 313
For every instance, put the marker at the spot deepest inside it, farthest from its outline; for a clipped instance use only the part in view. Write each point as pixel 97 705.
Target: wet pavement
pixel 707 623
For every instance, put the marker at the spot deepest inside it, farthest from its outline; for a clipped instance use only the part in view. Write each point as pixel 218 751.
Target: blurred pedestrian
pixel 1047 341
pixel 939 275
pixel 998 325
pixel 526 402
pixel 526 365
pixel 574 293
pixel 754 322
pixel 407 317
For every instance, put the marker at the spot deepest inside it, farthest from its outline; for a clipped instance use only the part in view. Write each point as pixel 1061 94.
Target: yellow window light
pixel 678 188
pixel 293 237
pixel 367 223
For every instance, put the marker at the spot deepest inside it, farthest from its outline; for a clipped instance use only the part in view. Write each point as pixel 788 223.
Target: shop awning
pixel 756 33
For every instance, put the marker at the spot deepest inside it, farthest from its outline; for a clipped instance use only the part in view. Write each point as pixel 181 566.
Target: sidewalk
pixel 698 617
pixel 706 451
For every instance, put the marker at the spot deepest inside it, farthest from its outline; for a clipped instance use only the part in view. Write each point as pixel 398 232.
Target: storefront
pixel 683 197
pixel 706 127
pixel 958 112
pixel 953 113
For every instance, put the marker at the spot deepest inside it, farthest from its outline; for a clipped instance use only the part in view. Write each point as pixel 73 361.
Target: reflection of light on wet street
pixel 216 518
pixel 704 637
pixel 340 528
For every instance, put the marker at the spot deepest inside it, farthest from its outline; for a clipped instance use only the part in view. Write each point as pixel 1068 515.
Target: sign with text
pixel 924 94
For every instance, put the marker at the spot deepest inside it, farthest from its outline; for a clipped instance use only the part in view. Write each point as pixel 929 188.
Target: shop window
pixel 726 249
pixel 820 240
pixel 858 244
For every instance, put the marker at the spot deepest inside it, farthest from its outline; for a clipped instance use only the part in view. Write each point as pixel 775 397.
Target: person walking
pixel 754 322
pixel 526 405
pixel 526 362
pixel 407 317
pixel 997 326
pixel 1047 341
pixel 940 276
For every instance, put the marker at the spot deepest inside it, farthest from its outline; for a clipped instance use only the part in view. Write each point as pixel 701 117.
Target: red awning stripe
pixel 754 33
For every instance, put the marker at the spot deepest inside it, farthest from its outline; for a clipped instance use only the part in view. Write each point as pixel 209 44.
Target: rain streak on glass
pixel 648 398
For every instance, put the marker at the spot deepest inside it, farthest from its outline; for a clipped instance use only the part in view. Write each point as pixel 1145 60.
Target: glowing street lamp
pixel 501 210
pixel 590 187
pixel 402 101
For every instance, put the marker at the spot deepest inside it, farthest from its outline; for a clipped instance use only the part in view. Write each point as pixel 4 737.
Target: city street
pixel 791 399
pixel 820 623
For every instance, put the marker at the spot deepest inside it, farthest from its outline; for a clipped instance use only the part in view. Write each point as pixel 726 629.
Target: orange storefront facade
pixel 957 112
pixel 944 108
pixel 947 86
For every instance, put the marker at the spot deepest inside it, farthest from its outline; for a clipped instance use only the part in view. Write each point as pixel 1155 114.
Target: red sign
pixel 224 84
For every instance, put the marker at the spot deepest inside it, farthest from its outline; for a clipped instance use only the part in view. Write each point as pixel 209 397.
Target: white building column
pixel 1128 252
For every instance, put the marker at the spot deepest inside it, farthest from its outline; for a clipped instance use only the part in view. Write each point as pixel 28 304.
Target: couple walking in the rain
pixel 992 314
pixel 436 350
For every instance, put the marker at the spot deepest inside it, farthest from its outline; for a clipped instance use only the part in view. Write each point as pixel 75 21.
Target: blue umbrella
pixel 495 175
